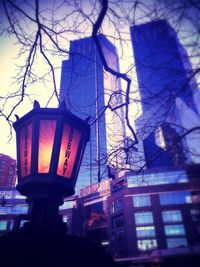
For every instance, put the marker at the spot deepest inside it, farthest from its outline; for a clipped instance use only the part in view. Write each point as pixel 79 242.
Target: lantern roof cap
pixel 42 112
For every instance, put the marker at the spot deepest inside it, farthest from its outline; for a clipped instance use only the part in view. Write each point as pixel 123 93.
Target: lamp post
pixel 50 147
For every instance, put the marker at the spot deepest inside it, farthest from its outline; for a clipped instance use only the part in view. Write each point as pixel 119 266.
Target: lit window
pixel 66 219
pixel 141 201
pixel 177 229
pixel 157 178
pixel 20 209
pixel 176 242
pixel 175 198
pixel 3 225
pixel 67 205
pixel 172 216
pixel 143 218
pixel 160 139
pixel 22 222
pixel 145 231
pixel 146 244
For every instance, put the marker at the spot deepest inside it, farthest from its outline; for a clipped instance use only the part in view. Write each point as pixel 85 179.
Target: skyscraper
pixel 86 89
pixel 7 170
pixel 162 76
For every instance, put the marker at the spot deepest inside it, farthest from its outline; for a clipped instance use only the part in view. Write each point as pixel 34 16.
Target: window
pixel 143 218
pixel 176 242
pixel 141 201
pixel 146 244
pixel 18 209
pixel 22 222
pixel 146 179
pixel 195 213
pixel 117 221
pixel 118 239
pixel 175 198
pixel 177 229
pixel 116 206
pixel 145 231
pixel 66 219
pixel 3 225
pixel 172 216
pixel 11 224
pixel 67 205
pixel 22 209
pixel 117 235
pixel 5 209
pixel 18 196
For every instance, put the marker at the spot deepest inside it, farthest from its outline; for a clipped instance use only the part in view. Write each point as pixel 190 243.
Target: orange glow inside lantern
pixel 46 140
pixel 26 149
pixel 68 151
pixel 50 147
pixel 70 142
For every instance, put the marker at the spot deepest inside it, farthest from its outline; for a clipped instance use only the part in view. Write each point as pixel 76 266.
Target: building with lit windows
pixel 7 171
pixel 12 204
pixel 168 100
pixel 86 89
pixel 156 214
pixel 141 218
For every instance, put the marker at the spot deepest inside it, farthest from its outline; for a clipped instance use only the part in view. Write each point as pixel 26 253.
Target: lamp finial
pixel 17 117
pixel 36 104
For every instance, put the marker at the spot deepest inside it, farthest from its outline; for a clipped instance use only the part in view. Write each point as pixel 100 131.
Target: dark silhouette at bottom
pixel 32 246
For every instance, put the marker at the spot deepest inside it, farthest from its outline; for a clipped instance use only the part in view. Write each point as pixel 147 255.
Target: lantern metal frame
pixel 49 185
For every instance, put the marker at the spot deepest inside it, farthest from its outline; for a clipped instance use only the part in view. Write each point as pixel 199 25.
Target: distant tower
pixel 7 171
pixel 86 89
pixel 161 62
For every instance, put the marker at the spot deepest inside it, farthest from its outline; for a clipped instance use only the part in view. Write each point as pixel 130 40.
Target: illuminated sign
pixel 26 149
pixel 68 151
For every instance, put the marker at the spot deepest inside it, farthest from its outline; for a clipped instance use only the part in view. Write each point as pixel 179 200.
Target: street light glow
pixel 46 140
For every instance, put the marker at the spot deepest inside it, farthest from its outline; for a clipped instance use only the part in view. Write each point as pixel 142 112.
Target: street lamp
pixel 50 147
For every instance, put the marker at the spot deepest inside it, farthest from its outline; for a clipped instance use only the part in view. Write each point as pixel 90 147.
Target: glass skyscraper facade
pixel 86 89
pixel 162 68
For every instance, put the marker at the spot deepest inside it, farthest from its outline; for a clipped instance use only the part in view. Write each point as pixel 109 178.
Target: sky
pixel 8 54
pixel 8 59
pixel 8 70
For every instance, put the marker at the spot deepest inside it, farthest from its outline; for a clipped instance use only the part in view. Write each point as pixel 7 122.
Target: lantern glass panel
pixel 26 149
pixel 46 140
pixel 68 151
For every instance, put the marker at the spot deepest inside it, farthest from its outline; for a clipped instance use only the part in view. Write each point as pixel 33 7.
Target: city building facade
pixel 7 171
pixel 143 218
pixel 87 89
pixel 139 218
pixel 12 204
pixel 157 212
